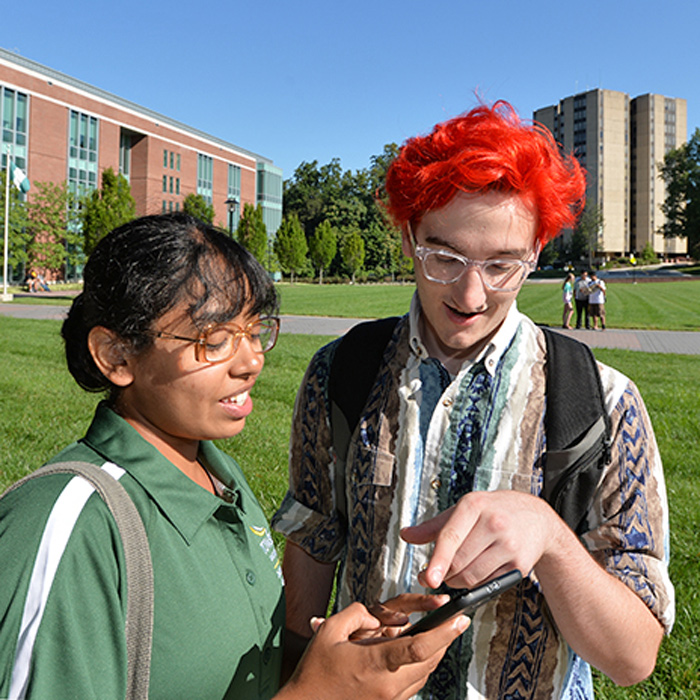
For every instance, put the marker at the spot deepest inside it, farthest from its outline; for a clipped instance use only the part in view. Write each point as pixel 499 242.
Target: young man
pixel 581 292
pixel 596 301
pixel 440 485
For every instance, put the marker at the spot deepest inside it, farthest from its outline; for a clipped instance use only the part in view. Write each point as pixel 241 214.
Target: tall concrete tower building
pixel 620 141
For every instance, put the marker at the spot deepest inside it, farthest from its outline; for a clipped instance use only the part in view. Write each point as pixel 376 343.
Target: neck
pixel 182 453
pixel 452 359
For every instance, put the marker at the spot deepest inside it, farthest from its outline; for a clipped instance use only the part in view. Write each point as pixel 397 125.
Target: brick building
pixel 60 128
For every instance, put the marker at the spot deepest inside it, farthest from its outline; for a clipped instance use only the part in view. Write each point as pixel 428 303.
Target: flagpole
pixel 5 295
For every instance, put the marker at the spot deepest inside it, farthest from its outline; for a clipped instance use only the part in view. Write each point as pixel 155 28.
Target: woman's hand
pixel 335 667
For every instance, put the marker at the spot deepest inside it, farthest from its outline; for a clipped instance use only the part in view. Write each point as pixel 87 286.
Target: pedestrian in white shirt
pixel 596 301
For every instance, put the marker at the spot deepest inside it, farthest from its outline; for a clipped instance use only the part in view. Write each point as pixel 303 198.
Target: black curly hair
pixel 143 269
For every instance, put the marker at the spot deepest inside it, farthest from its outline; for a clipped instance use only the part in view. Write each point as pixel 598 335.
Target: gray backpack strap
pixel 139 570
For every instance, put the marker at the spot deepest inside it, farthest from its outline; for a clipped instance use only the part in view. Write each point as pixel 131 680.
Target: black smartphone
pixel 466 603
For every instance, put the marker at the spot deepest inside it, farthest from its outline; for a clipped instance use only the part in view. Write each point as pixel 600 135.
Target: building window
pixel 165 206
pixel 177 185
pixel 172 160
pixel 165 158
pixel 82 153
pixel 205 176
pixel 125 154
pixel 14 107
pixel 178 162
pixel 171 185
pixel 234 181
pixel 270 196
pixel 165 183
pixel 234 193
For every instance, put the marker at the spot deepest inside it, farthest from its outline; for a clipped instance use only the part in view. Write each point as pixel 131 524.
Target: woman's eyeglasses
pixel 218 343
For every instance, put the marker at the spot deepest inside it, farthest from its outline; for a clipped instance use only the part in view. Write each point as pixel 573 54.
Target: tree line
pixel 56 230
pixel 333 224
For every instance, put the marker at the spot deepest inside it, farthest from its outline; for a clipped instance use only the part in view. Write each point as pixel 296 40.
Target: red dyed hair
pixel 489 148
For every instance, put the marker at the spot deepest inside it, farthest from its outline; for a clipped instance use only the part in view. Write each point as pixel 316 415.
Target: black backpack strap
pixel 355 366
pixel 139 570
pixel 353 370
pixel 577 426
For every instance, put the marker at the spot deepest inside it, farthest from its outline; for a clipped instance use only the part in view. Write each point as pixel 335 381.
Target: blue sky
pixel 316 80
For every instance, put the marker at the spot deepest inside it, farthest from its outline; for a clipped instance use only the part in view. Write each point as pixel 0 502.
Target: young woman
pixel 172 324
pixel 568 299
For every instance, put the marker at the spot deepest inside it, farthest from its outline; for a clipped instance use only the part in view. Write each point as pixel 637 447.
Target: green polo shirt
pixel 219 605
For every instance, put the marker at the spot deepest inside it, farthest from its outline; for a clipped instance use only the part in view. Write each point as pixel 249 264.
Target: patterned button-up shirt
pixel 424 439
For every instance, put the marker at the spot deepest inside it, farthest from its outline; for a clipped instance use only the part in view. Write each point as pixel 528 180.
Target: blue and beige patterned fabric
pixel 426 438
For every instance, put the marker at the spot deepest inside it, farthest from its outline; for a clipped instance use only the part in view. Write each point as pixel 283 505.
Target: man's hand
pixel 487 533
pixel 334 667
pixel 393 614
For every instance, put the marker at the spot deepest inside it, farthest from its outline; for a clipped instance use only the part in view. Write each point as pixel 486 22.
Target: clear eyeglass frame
pixel 218 342
pixel 446 267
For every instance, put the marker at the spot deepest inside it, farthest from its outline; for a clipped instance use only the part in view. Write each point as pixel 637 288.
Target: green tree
pixel 584 241
pixel 323 247
pixel 54 239
pixel 102 210
pixel 313 192
pixel 549 254
pixel 380 235
pixel 402 264
pixel 17 235
pixel 353 253
pixel 348 201
pixel 252 232
pixel 290 246
pixel 680 172
pixel 196 205
pixel 648 256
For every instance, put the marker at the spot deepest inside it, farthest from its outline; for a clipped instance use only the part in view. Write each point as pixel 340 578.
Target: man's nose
pixel 470 291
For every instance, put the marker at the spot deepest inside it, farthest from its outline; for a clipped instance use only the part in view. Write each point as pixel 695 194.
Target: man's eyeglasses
pixel 445 267
pixel 218 343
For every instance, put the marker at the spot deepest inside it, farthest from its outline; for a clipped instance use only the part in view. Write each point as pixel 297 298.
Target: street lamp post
pixel 231 204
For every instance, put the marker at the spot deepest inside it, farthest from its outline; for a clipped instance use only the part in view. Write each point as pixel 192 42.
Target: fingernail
pixel 461 623
pixel 435 577
pixel 315 623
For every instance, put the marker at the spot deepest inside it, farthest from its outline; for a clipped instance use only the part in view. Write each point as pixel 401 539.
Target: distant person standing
pixel 568 297
pixel 596 301
pixel 581 292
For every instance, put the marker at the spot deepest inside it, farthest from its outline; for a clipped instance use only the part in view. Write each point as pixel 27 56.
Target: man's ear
pixel 406 246
pixel 110 355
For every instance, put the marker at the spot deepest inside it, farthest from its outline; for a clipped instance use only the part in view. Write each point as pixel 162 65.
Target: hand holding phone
pixel 466 603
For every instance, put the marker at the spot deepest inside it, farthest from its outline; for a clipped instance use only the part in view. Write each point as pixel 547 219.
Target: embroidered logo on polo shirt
pixel 268 546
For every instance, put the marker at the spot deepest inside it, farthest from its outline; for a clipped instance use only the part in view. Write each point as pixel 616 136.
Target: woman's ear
pixel 110 355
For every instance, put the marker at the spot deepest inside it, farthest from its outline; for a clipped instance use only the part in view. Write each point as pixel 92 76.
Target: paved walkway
pixel 672 342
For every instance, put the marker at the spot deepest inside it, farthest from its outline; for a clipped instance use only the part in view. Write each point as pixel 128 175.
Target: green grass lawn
pixel 42 410
pixel 651 305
